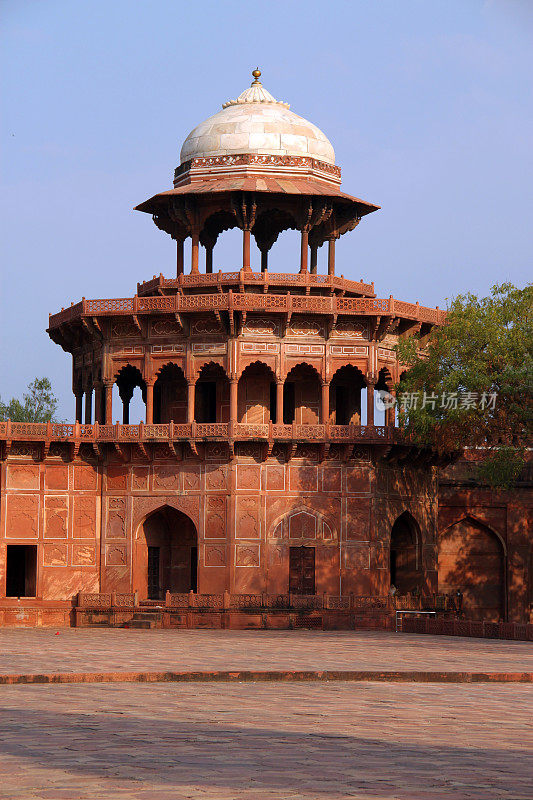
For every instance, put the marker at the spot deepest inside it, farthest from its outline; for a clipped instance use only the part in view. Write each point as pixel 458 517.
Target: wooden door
pixel 302 570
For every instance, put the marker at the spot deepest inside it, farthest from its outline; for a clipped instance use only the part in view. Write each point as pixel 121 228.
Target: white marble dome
pixel 257 123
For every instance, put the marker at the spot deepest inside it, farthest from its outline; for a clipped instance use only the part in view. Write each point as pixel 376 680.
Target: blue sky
pixel 428 105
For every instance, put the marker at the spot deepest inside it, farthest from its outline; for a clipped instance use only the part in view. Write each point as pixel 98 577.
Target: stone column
pixel 191 388
pixel 179 257
pixel 79 406
pixel 279 402
pixel 108 394
pixel 370 403
pixel 331 255
pixel 314 259
pixel 233 391
pixel 304 250
pixel 325 403
pixel 150 402
pixel 194 252
pixel 88 406
pixel 264 260
pixel 246 249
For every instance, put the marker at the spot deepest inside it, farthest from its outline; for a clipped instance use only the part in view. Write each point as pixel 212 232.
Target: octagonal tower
pixel 252 474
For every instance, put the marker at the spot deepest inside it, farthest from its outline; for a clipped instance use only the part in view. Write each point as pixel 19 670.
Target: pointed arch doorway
pixel 167 554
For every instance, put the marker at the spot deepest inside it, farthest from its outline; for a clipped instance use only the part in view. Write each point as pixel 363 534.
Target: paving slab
pixel 82 650
pixel 255 741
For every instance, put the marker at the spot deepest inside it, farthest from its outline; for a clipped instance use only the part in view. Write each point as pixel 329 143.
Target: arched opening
pixel 384 416
pixel 126 381
pixel 345 396
pixel 472 561
pixel 301 396
pixel 167 554
pixel 405 572
pixel 256 395
pixel 211 399
pixel 269 224
pixel 170 395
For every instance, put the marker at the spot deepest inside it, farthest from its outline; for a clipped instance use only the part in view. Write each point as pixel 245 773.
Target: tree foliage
pixel 39 404
pixel 483 356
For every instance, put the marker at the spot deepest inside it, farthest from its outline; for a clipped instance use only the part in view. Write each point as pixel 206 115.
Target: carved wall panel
pixel 247 518
pixel 305 326
pixel 348 327
pixel 23 477
pixel 202 325
pixel 124 330
pixel 357 521
pixel 215 517
pixel 331 479
pixel 84 525
pixel 116 518
pixel 83 555
pixel 55 555
pixel 191 479
pixel 165 327
pixel 356 556
pixel 275 478
pixel 117 477
pixel 215 556
pixel 215 477
pixel 261 326
pixel 248 476
pixel 85 476
pixel 166 478
pixel 22 516
pixel 139 478
pixel 247 556
pixel 56 516
pixel 56 476
pixel 357 480
pixel 304 479
pixel 116 555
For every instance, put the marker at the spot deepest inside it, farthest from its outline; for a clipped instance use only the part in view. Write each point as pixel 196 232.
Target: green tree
pixel 39 404
pixel 480 367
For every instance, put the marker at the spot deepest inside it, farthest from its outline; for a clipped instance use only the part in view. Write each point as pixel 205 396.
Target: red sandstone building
pixel 252 495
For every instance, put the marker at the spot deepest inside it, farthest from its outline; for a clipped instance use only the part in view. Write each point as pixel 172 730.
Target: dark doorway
pixel 405 571
pixel 302 570
pixel 288 403
pixel 206 401
pixel 273 404
pixel 168 555
pixel 154 554
pixel 21 570
pixel 341 406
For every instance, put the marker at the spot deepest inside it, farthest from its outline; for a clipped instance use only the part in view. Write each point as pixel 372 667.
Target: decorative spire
pixel 255 94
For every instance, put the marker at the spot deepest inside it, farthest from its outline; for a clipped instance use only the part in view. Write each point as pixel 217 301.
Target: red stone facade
pixel 253 475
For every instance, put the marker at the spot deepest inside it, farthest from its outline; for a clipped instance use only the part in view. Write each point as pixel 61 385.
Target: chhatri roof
pixel 257 123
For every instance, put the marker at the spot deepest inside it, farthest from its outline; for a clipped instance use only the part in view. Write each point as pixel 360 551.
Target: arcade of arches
pixel 303 396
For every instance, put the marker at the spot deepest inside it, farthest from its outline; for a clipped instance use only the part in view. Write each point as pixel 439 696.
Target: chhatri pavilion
pixel 261 490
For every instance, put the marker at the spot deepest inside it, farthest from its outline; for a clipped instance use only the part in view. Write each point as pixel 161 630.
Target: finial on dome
pixel 255 94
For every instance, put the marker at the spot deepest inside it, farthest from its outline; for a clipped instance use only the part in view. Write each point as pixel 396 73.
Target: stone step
pixel 145 624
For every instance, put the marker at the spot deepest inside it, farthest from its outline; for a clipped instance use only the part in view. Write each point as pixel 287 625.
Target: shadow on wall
pixel 472 560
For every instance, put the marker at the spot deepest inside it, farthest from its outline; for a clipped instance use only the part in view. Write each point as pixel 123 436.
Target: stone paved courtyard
pixel 35 650
pixel 244 741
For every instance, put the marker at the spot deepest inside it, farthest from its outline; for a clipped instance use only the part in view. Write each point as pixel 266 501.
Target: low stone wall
pixel 225 611
pixel 460 627
pixel 24 614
